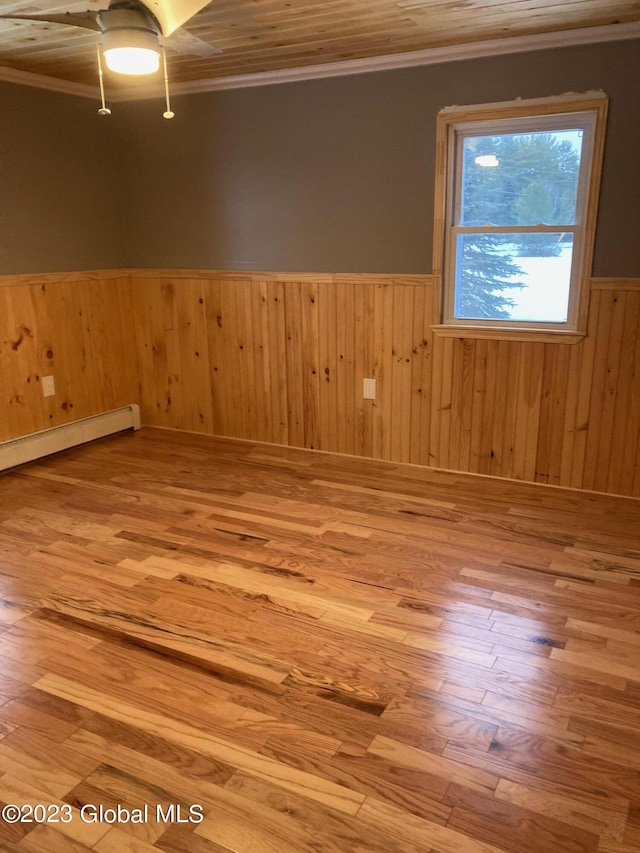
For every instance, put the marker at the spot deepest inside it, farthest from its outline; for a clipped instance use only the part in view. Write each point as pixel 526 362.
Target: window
pixel 518 192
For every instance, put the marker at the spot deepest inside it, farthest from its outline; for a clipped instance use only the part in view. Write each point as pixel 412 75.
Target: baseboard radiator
pixel 17 451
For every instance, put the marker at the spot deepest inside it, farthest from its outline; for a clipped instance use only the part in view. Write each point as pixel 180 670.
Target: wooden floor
pixel 325 654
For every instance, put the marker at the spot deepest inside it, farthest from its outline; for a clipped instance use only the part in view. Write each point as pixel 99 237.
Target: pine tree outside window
pixel 518 189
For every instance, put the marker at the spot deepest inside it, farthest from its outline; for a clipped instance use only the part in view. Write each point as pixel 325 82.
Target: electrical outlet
pixel 48 386
pixel 369 389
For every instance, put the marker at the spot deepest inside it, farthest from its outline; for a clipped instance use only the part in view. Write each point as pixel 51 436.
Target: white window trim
pixel 589 111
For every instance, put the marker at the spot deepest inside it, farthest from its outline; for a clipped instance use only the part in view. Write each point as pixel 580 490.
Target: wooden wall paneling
pixel 294 335
pixel 442 403
pixel 260 340
pixel 630 484
pixel 585 388
pixel 612 389
pixel 165 353
pixel 36 305
pixel 239 354
pixel 485 425
pixel 546 413
pixel 493 418
pixel 236 424
pixel 259 344
pixel 327 392
pixel 467 403
pixel 224 354
pixel 481 400
pixel 310 365
pixel 199 337
pixel 181 393
pixel 275 362
pixel 347 362
pixel 417 427
pixel 502 462
pixel 116 339
pixel 21 357
pixel 462 377
pixel 402 326
pixel 451 387
pixel 59 314
pixel 625 414
pixel 384 312
pixel 379 373
pixel 142 295
pixel 514 360
pixel 337 331
pixel 249 294
pixel 435 418
pixel 91 313
pixel 213 325
pixel 74 331
pixel 362 368
pixel 611 369
pixel 407 356
pixel 603 314
pixel 191 386
pixel 494 414
pixel 635 487
pixel 281 359
pixel 570 427
pixel 159 356
pixel 6 384
pixel 278 344
pixel 400 398
pixel 552 411
pixel 246 294
pixel 446 402
pixel 529 388
pixel 80 348
pixel 426 359
pixel 558 398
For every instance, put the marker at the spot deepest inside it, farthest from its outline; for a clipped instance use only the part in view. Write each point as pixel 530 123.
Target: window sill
pixel 503 333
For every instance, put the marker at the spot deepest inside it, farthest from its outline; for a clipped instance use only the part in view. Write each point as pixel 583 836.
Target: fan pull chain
pixel 104 109
pixel 168 113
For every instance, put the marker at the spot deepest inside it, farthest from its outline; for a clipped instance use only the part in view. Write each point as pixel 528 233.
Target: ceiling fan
pixel 134 33
pixel 135 25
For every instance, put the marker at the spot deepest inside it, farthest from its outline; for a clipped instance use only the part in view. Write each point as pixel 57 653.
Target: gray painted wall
pixel 60 185
pixel 337 174
pixel 328 175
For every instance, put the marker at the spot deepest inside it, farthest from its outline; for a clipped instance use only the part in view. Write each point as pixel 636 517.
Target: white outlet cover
pixel 48 386
pixel 369 389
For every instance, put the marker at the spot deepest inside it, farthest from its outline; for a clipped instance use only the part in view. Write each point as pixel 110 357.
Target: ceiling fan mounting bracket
pixel 128 16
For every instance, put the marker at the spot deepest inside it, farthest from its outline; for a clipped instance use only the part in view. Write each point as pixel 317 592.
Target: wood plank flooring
pixel 328 655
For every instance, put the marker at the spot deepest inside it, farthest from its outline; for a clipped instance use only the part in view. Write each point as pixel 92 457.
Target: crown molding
pixel 412 59
pixel 52 84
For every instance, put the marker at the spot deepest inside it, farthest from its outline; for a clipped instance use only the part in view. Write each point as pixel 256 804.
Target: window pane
pixel 513 277
pixel 521 178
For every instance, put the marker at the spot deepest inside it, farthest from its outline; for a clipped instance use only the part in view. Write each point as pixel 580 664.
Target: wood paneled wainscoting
pixel 281 358
pixel 76 327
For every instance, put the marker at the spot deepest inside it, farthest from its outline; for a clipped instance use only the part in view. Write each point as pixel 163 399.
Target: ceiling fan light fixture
pixel 131 51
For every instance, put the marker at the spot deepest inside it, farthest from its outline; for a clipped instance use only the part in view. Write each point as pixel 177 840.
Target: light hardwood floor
pixel 326 654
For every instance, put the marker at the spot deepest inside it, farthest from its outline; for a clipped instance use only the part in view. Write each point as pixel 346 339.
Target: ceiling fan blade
pixel 172 14
pixel 183 41
pixel 87 20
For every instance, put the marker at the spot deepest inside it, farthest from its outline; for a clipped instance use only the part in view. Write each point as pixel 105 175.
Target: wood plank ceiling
pixel 270 35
